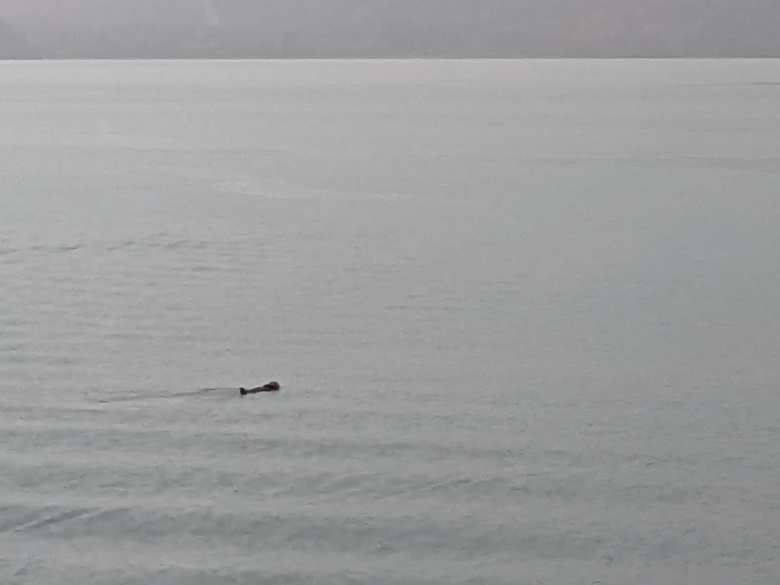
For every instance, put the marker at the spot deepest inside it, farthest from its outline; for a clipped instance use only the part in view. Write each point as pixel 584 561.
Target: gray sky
pixel 235 28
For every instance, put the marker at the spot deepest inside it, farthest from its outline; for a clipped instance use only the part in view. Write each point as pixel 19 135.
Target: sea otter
pixel 269 387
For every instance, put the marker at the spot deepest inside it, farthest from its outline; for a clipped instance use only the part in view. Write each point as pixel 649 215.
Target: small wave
pixel 64 248
pixel 141 396
pixel 161 241
pixel 282 191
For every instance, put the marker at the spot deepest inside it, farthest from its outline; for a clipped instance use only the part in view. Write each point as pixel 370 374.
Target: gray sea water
pixel 525 315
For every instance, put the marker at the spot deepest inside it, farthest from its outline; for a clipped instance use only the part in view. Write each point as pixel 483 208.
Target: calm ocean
pixel 525 315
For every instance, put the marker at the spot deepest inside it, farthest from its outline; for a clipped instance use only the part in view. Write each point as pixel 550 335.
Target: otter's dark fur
pixel 269 387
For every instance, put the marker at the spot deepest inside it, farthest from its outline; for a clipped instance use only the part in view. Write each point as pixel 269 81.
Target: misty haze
pixel 389 321
pixel 388 28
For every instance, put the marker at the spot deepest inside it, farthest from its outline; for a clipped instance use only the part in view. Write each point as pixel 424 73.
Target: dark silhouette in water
pixel 269 387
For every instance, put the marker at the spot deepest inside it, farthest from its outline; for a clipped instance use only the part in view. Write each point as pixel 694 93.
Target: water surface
pixel 525 315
